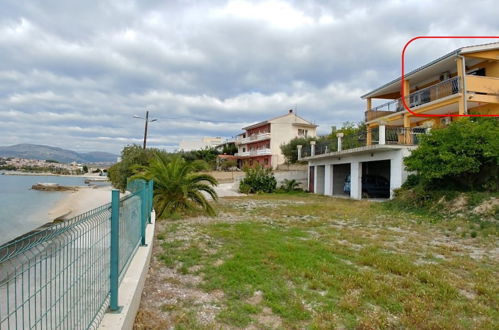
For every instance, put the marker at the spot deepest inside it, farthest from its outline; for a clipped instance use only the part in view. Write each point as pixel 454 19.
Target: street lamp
pixel 146 119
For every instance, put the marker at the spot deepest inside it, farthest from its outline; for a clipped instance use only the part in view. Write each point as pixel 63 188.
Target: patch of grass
pixel 238 313
pixel 325 263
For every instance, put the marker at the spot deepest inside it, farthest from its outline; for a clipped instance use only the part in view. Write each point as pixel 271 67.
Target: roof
pixel 275 118
pixel 439 61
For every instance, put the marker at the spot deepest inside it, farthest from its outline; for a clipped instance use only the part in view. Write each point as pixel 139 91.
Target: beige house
pixel 464 81
pixel 261 142
pixel 205 142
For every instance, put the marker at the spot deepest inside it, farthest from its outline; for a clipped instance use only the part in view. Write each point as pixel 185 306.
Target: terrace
pixel 381 135
pixel 425 96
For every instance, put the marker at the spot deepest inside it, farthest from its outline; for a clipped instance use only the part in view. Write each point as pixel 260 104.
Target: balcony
pixel 398 135
pixel 418 98
pixel 261 152
pixel 382 135
pixel 253 153
pixel 253 138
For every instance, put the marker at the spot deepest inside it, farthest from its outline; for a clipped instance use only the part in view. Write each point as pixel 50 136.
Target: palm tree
pixel 177 188
pixel 290 185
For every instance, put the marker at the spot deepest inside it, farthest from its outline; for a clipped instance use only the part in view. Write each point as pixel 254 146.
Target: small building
pixel 261 142
pixel 465 81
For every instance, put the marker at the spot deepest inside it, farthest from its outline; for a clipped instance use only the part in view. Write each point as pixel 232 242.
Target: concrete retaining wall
pixel 132 285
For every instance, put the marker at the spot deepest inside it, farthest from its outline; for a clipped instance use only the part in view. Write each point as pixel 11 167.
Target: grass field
pixel 313 262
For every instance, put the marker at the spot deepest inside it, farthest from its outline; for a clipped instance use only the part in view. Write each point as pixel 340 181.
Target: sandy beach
pixel 82 200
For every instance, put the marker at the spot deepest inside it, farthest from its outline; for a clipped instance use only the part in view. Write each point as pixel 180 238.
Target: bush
pixel 258 180
pixel 228 164
pixel 290 185
pixel 200 165
pixel 412 181
pixel 462 156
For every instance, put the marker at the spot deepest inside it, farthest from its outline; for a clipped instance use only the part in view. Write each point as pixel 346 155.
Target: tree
pixel 464 155
pixel 85 169
pixel 229 149
pixel 177 187
pixel 354 135
pixel 131 156
pixel 290 149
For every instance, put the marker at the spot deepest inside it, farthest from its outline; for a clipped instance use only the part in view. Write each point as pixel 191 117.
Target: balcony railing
pixel 403 136
pixel 381 135
pixel 262 152
pixel 426 95
pixel 258 152
pixel 253 138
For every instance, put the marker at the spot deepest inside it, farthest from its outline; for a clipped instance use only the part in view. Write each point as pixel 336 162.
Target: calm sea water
pixel 23 209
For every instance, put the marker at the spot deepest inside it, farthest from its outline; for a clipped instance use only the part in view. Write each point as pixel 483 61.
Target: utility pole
pixel 146 119
pixel 145 129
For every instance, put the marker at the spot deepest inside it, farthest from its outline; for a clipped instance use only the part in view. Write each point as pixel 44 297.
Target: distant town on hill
pixel 43 152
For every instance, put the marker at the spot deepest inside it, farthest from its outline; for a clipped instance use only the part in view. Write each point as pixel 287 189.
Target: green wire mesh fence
pixel 65 275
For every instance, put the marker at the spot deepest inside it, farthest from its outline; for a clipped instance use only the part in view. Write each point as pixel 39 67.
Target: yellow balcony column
pixel 369 137
pixel 407 128
pixel 407 90
pixel 461 74
pixel 368 109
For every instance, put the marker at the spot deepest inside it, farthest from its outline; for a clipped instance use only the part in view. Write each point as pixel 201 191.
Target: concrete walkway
pixel 228 189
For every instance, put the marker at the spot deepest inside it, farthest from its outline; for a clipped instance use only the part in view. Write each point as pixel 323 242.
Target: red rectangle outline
pixel 402 76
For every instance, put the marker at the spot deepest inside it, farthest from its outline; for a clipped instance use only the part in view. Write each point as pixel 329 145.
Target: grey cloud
pixel 73 73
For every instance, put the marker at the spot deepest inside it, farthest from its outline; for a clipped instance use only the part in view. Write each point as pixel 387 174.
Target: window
pixel 266 161
pixel 244 149
pixel 302 132
pixel 477 72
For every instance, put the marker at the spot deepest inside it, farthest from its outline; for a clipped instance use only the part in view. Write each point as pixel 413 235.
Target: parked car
pixel 372 186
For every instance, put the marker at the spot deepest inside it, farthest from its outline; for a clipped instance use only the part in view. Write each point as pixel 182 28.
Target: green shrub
pixel 228 164
pixel 200 165
pixel 290 185
pixel 462 156
pixel 258 180
pixel 412 181
pixel 244 188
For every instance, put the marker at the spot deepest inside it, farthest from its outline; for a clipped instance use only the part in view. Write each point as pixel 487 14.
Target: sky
pixel 74 73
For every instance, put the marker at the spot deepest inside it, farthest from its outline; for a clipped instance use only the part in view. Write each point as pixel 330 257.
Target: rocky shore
pixel 52 187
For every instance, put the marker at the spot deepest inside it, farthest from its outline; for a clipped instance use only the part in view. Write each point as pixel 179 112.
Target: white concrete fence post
pixel 312 148
pixel 299 151
pixel 382 134
pixel 340 140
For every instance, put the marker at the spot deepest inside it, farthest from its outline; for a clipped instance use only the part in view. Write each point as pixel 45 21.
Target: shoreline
pixel 19 173
pixel 47 206
pixel 69 205
pixel 81 200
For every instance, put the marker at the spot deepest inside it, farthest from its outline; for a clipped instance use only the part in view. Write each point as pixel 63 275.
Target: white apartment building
pixel 261 142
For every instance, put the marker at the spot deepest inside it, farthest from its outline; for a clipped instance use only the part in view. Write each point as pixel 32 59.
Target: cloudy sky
pixel 73 73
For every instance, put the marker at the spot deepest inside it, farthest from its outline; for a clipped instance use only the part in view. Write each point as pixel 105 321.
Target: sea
pixel 23 209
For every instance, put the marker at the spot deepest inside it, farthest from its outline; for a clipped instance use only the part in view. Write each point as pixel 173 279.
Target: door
pixel 311 179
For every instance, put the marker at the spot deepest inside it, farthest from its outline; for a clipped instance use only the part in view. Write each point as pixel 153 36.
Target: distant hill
pixel 34 151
